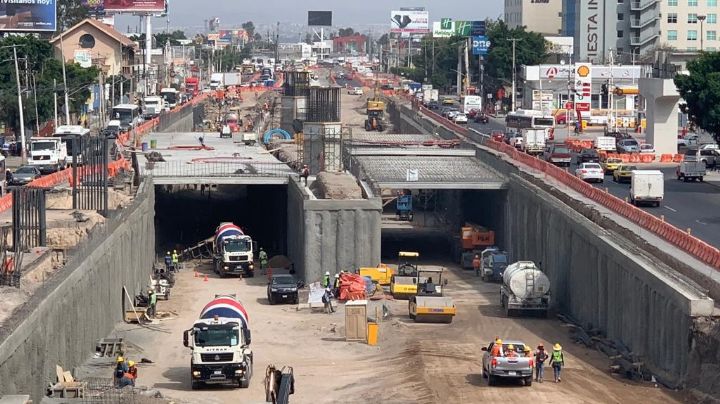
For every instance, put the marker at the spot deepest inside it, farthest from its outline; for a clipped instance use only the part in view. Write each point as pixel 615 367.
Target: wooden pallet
pixel 68 390
pixel 111 347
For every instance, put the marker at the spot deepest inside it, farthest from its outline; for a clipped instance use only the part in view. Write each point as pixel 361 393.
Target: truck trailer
pixel 525 288
pixel 220 343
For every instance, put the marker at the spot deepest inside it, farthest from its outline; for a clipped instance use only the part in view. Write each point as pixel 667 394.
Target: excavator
pixel 429 304
pixel 375 112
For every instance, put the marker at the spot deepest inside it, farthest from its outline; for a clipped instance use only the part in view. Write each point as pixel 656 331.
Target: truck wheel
pixel 194 385
pixel 491 380
pixel 685 179
pixel 244 382
pixel 701 179
pixel 528 381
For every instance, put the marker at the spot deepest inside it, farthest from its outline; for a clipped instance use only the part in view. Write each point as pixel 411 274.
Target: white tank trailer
pixel 525 288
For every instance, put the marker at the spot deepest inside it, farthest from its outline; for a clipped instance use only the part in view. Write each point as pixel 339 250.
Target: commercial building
pixel 349 44
pixel 543 16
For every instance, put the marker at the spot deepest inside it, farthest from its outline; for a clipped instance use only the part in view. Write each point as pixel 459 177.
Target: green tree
pixel 69 13
pixel 701 91
pixel 249 27
pixel 530 49
pixel 174 38
pixel 343 32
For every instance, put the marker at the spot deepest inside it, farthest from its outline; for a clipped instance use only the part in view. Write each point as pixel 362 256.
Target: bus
pixel 530 119
pixel 127 114
pixel 67 133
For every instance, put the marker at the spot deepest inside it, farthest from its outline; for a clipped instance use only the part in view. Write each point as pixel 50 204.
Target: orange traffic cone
pixel 205 280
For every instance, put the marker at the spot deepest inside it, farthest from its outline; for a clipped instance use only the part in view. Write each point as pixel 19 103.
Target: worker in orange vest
pixel 496 350
pixel 476 264
pixel 511 353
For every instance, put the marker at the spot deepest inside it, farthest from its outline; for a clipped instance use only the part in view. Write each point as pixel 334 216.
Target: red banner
pixel 134 5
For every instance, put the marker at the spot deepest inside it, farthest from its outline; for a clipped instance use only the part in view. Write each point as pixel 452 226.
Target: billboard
pixel 120 6
pixel 95 7
pixel 480 45
pixel 469 28
pixel 320 18
pixel 38 16
pixel 445 28
pixel 83 58
pixel 583 86
pixel 409 22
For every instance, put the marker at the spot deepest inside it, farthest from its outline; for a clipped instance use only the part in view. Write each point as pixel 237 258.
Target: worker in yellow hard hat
pixel 175 260
pixel 511 352
pixel 132 370
pixel 121 367
pixel 496 350
pixel 527 351
pixel 557 361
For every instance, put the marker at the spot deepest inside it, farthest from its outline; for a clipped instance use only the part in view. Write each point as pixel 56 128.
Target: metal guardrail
pixel 216 167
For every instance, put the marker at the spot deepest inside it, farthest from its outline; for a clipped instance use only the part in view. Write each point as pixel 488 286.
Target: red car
pixel 497 135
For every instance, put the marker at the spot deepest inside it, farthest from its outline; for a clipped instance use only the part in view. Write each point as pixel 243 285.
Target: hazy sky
pixel 192 13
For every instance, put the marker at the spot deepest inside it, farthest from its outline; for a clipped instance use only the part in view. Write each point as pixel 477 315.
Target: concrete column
pixel 662 110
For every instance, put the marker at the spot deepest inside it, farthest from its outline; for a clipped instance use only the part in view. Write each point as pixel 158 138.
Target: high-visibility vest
pixel 557 357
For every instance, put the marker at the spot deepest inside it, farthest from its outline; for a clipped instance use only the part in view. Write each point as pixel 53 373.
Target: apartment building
pixel 543 16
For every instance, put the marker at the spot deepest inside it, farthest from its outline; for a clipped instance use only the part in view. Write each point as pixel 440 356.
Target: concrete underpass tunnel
pixel 438 216
pixel 187 214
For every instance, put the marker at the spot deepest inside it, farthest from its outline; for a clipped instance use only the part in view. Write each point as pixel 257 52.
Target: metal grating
pixel 28 218
pixel 297 84
pixel 323 105
pixel 90 168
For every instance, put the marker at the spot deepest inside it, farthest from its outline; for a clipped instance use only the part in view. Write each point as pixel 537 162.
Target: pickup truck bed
pixel 504 367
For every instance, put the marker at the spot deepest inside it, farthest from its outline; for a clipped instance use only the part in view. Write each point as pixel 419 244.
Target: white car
pixel 590 172
pixel 460 118
pixel 355 91
pixel 647 148
pixel 451 115
pixel 689 140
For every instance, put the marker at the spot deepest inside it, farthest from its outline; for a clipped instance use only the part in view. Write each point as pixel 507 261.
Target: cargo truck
pixel 192 86
pixel 534 141
pixel 233 251
pixel 525 288
pixel 647 186
pixel 220 344
pixel 152 106
pixel 171 97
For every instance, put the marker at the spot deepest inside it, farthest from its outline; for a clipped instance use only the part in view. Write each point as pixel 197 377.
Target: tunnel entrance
pixel 188 214
pixel 438 215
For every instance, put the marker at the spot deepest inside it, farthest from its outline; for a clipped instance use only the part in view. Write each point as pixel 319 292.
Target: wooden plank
pixel 67 376
pixel 59 373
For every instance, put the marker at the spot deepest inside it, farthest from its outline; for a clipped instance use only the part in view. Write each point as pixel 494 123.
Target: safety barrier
pixel 681 239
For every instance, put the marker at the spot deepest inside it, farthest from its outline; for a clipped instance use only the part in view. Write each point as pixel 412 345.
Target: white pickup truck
pixel 691 169
pixel 507 366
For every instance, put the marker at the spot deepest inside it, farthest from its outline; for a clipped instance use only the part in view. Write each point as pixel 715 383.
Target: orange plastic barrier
pixel 677 158
pixel 624 157
pixel 666 158
pixel 647 158
pixel 634 158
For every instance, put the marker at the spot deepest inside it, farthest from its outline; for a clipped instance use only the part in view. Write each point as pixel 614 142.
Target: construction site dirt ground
pixel 412 363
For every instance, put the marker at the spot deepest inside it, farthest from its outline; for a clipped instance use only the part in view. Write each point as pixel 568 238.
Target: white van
pixel 647 186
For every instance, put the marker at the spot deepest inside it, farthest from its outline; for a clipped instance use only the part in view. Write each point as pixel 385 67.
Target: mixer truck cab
pixel 220 344
pixel 233 252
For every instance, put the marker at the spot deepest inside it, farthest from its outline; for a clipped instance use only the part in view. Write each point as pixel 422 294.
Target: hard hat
pixel 527 348
pixel 131 363
pixel 175 251
pixel 120 359
pixel 557 347
pixel 337 275
pixel 498 341
pixel 151 291
pixel 168 253
pixel 511 347
pixel 327 273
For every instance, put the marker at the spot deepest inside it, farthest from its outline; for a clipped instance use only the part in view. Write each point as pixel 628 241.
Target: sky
pixel 346 13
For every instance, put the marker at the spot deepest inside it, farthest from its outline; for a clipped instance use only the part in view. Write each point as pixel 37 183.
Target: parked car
pixel 647 148
pixel 460 118
pixel 481 118
pixel 558 154
pixel 24 175
pixel 628 146
pixel 588 156
pixel 283 287
pixel 590 172
pixel 623 173
pixel 611 164
pixel 689 140
pixel 504 367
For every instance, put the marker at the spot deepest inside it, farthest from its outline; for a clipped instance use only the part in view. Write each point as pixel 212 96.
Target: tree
pixel 249 27
pixel 257 37
pixel 530 49
pixel 343 32
pixel 69 13
pixel 174 37
pixel 701 91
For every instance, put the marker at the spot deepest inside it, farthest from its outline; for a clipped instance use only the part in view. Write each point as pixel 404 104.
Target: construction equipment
pixel 375 112
pixel 403 284
pixel 381 275
pixel 493 263
pixel 525 288
pixel 403 206
pixel 233 251
pixel 474 239
pixel 429 305
pixel 279 384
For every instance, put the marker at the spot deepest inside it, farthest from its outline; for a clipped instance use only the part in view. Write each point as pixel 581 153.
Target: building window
pixel 672 18
pixel 692 18
pixel 712 3
pixel 620 34
pixel 711 35
pixel 672 2
pixel 712 18
pixel 692 35
pixel 621 16
pixel 692 3
pixel 672 35
pixel 692 49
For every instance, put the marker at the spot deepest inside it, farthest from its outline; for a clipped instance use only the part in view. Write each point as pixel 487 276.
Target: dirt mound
pixel 336 186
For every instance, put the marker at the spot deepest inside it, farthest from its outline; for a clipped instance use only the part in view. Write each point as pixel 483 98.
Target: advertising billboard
pixel 95 7
pixel 480 45
pixel 469 28
pixel 445 28
pixel 320 18
pixel 22 17
pixel 120 6
pixel 409 22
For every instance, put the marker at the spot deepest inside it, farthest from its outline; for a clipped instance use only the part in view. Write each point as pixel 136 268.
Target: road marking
pixel 669 208
pixel 698 221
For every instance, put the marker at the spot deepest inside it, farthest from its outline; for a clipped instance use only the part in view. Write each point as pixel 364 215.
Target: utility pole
pixel 701 18
pixel 467 64
pixel 514 41
pixel 459 71
pixel 37 116
pixel 55 100
pixel 482 79
pixel 65 89
pixel 20 103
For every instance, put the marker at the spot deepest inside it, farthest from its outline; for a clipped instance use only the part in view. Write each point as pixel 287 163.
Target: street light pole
pixel 20 103
pixel 514 41
pixel 701 18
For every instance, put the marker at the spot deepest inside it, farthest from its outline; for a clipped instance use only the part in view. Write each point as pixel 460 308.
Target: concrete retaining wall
pixel 331 235
pixel 61 323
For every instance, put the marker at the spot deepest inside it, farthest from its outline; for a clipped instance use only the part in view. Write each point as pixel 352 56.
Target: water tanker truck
pixel 220 344
pixel 525 288
pixel 232 251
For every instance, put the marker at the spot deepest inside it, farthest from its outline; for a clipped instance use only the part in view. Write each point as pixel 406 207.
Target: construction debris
pixel 336 186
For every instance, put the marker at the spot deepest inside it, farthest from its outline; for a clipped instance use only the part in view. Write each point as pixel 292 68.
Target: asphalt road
pixel 694 205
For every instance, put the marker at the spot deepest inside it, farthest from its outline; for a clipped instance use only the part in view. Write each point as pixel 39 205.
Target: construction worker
pixel 120 368
pixel 168 260
pixel 132 369
pixel 152 303
pixel 305 173
pixel 527 352
pixel 263 259
pixel 336 285
pixel 326 280
pixel 327 300
pixel 511 353
pixel 557 361
pixel 540 358
pixel 476 264
pixel 175 260
pixel 497 350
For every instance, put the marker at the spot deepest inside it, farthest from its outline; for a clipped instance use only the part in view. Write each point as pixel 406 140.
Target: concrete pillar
pixel 662 110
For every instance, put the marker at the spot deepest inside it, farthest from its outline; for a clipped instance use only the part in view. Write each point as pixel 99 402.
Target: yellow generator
pixel 375 114
pixel 430 305
pixel 381 275
pixel 403 283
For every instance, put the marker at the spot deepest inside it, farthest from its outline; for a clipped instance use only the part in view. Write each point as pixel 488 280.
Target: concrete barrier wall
pixel 331 235
pixel 61 323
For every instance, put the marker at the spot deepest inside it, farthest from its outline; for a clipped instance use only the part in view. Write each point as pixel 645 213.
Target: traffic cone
pixel 205 280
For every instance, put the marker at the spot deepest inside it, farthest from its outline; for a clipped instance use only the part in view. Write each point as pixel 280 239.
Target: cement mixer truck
pixel 525 288
pixel 233 251
pixel 220 344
